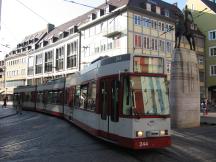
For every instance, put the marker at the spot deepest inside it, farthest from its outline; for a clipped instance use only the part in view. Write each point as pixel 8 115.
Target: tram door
pixel 109 101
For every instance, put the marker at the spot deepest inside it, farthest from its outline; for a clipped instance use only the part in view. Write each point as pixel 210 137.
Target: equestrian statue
pixel 184 28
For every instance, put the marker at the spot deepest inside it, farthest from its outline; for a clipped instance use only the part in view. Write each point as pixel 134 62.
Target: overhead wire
pixel 37 14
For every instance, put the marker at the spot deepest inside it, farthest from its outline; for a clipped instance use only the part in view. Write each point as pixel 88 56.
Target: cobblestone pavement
pixel 37 137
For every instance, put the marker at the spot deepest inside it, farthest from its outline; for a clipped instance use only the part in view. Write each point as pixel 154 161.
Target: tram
pixel 121 99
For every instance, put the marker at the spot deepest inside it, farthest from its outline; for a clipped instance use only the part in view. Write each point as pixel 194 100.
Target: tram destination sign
pixel 147 64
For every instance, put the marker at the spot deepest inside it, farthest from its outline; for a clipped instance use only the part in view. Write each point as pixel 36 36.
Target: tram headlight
pixel 163 132
pixel 139 133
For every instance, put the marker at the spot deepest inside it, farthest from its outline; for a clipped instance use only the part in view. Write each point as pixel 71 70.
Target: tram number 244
pixel 143 143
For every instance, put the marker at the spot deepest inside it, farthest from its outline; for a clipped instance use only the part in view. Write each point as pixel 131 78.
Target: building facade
pixel 16 61
pixel 204 13
pixel 129 27
pixel 56 55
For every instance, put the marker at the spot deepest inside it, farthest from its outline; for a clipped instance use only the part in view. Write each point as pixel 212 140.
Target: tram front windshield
pixel 144 95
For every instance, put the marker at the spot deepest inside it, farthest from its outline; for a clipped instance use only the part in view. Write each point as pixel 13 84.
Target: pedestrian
pixel 206 106
pixel 5 103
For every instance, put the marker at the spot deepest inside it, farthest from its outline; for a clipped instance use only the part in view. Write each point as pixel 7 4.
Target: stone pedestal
pixel 184 92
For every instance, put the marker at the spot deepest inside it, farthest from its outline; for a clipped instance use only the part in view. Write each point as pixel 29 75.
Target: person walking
pixel 5 103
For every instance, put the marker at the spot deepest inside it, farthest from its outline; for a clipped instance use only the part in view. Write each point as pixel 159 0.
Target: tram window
pixel 77 96
pixel 91 96
pixel 32 96
pixel 83 96
pixel 38 96
pixel 103 101
pixel 45 97
pixel 70 96
pixel 49 97
pixel 26 96
pixel 115 101
pixel 58 96
pixel 127 98
pixel 55 97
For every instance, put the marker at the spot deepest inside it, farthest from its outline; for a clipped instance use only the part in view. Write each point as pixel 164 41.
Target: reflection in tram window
pixel 91 105
pixel 115 101
pixel 77 96
pixel 83 96
pixel 145 95
pixel 104 100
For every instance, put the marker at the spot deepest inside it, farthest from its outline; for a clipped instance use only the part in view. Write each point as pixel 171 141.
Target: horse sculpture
pixel 183 28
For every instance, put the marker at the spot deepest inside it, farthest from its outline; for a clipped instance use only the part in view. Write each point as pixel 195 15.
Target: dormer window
pixel 36 39
pixel 109 8
pixel 166 13
pixel 158 10
pixel 61 36
pixel 93 16
pixel 101 12
pixel 148 6
pixel 45 43
pixel 71 31
pixel 30 41
pixel 54 39
pixel 65 34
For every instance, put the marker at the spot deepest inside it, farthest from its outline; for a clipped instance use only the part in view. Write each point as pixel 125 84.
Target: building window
pixel 59 58
pixel 146 42
pixel 137 19
pixel 201 60
pixel 146 22
pixel 212 51
pixel 212 70
pixel 167 13
pixel 38 64
pixel 148 6
pixel 23 72
pixel 137 41
pixel 168 67
pixel 168 47
pixel 212 35
pixel 30 65
pixel 72 51
pixel 48 61
pixel 162 45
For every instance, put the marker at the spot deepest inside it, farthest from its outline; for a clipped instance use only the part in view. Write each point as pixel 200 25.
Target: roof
pixel 210 4
pixel 140 4
pixel 83 18
pixel 38 35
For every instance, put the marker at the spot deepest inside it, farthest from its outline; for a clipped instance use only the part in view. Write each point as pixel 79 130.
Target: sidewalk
pixel 208 119
pixel 6 112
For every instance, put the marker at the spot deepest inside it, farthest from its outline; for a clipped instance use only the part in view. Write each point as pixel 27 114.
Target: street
pixel 37 137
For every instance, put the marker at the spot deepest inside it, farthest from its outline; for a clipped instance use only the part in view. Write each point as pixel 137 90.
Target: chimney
pixel 50 27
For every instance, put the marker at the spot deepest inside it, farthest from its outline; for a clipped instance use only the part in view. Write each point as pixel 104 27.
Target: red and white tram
pixel 122 99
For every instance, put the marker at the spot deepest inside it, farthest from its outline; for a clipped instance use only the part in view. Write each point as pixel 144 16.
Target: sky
pixel 17 21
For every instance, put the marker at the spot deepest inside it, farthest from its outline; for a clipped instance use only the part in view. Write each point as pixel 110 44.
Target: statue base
pixel 184 89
